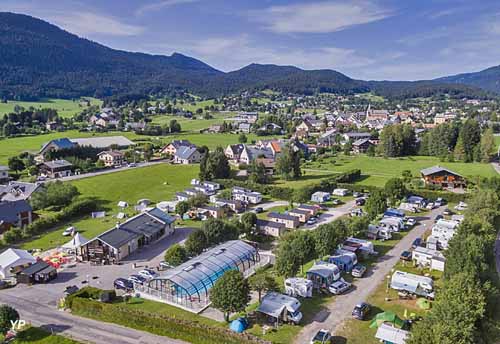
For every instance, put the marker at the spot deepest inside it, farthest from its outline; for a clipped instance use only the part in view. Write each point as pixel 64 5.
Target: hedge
pixel 159 324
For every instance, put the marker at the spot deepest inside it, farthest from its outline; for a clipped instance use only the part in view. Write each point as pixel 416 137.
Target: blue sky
pixel 365 39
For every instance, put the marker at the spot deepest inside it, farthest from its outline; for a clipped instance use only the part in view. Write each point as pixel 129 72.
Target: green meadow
pixel 65 108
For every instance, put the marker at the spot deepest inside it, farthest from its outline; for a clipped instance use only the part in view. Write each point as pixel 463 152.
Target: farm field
pixel 378 170
pixel 193 125
pixel 65 108
pixel 157 183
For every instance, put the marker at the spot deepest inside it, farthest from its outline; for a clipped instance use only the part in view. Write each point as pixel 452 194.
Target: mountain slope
pixel 38 59
pixel 488 79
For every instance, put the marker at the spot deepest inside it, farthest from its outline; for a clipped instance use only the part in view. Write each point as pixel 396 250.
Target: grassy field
pixel 157 183
pixel 384 299
pixel 35 335
pixel 14 146
pixel 377 171
pixel 193 125
pixel 64 107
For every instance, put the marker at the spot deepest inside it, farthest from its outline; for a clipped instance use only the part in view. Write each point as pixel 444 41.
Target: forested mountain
pixel 488 79
pixel 38 59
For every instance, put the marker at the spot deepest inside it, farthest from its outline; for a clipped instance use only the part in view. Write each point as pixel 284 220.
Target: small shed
pixel 40 272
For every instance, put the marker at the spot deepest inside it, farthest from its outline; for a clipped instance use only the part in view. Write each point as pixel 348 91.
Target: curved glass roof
pixel 200 273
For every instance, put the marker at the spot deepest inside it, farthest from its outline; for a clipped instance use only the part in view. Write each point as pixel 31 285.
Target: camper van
pixel 413 284
pixel 282 308
pixel 296 286
pixel 377 232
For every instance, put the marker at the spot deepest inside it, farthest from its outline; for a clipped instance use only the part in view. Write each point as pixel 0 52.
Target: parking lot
pixel 101 276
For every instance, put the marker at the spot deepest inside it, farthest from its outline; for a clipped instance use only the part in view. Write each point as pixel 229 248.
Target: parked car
pixel 417 242
pixel 312 221
pixel 132 164
pixel 357 194
pixel 137 279
pixel 360 201
pixel 439 202
pixel 165 266
pixel 336 201
pixel 322 336
pixel 70 289
pixel 122 283
pixel 259 210
pixel 439 217
pixel 339 287
pixel 361 311
pixel 405 255
pixel 430 206
pixel 447 212
pixel 148 273
pixel 358 270
pixel 411 222
pixel 69 231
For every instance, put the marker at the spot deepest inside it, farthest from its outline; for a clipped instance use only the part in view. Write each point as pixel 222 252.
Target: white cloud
pixel 86 23
pixel 75 18
pixel 319 17
pixel 155 6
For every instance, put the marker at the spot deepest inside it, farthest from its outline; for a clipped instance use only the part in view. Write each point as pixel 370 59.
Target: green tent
pixel 387 317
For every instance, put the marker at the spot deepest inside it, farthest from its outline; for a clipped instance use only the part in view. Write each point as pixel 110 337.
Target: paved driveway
pixel 341 306
pixel 331 214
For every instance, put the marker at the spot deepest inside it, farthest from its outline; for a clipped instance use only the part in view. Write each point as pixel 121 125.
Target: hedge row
pixel 159 324
pixel 77 208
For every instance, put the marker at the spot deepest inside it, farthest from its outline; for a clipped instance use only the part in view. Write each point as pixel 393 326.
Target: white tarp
pixel 76 242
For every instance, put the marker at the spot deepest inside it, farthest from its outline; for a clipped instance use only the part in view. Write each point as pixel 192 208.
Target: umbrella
pixel 239 325
pixel 388 317
pixel 423 303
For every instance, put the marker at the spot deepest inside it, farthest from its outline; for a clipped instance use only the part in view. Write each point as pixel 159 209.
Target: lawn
pixel 35 335
pixel 65 108
pixel 195 124
pixel 384 299
pixel 377 170
pixel 14 146
pixel 157 183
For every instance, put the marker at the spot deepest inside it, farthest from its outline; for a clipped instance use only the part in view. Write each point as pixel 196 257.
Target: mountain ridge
pixel 39 59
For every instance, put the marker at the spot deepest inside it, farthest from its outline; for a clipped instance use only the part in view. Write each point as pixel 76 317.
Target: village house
pixel 290 222
pixel 15 191
pixel 233 152
pixel 234 205
pixel 361 146
pixel 15 214
pixel 173 146
pixel 442 177
pixel 271 228
pixel 187 155
pixel 111 158
pixel 327 139
pixel 56 169
pixel 352 136
pixel 244 127
pixel 381 115
pixel 249 154
pixel 124 239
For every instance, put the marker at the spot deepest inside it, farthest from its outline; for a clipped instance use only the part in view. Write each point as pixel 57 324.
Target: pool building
pixel 188 285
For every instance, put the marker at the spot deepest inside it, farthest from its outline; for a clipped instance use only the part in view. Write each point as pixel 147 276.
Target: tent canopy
pixel 76 242
pixel 12 258
pixel 386 317
pixel 239 325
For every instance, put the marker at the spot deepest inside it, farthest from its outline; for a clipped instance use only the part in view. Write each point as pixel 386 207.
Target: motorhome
pixel 282 308
pixel 378 233
pixel 297 286
pixel 394 224
pixel 413 284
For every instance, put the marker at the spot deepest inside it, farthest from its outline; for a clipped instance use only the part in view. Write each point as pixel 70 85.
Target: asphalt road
pixel 341 306
pixel 80 329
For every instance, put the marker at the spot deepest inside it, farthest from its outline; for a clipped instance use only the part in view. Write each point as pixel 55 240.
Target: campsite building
pixel 442 177
pixel 39 272
pixel 271 228
pixel 427 257
pixel 302 215
pixel 124 239
pixel 312 209
pixel 289 221
pixel 188 285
